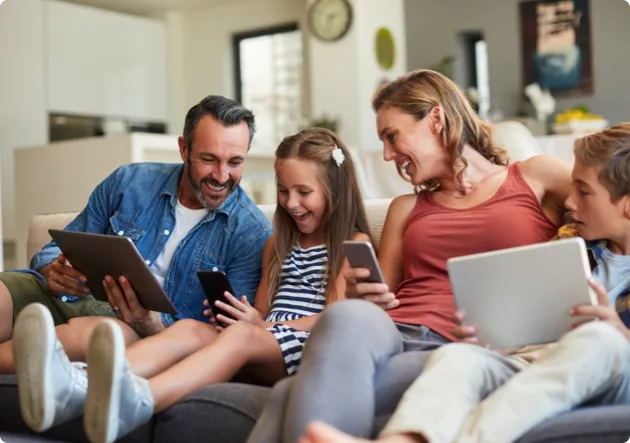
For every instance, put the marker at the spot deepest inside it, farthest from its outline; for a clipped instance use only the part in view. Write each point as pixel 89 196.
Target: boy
pixel 471 394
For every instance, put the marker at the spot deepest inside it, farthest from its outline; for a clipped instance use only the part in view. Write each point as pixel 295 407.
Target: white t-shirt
pixel 185 220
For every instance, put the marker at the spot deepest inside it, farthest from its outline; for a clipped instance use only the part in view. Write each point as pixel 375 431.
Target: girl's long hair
pixel 345 213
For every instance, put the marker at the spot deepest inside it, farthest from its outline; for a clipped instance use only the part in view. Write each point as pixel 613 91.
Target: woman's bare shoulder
pixel 401 206
pixel 545 169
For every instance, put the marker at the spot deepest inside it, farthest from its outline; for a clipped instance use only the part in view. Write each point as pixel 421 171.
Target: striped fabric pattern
pixel 301 292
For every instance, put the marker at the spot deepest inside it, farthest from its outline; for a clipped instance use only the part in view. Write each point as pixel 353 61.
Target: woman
pixel 360 359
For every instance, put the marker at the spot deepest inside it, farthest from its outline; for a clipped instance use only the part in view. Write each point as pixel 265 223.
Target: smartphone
pixel 361 255
pixel 215 284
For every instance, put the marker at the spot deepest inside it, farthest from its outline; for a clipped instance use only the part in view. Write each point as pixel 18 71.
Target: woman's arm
pixel 307 323
pixel 390 250
pixel 550 179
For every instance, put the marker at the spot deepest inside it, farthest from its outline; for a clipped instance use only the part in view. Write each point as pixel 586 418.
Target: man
pixel 182 218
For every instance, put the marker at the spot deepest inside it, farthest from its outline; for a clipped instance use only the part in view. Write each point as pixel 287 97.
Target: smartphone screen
pixel 361 255
pixel 215 284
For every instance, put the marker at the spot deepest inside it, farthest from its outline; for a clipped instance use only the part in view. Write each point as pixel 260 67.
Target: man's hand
pixel 604 311
pixel 241 310
pixel 377 293
pixel 465 334
pixel 124 302
pixel 62 278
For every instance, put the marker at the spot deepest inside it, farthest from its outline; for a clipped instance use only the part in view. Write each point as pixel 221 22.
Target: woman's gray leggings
pixel 356 365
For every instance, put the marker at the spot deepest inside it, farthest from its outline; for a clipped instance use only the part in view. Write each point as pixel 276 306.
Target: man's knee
pixel 6 313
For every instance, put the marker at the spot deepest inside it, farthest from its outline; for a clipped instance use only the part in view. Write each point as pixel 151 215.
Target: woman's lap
pixel 354 364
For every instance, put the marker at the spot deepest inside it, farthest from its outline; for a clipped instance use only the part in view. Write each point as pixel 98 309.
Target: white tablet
pixel 522 296
pixel 97 255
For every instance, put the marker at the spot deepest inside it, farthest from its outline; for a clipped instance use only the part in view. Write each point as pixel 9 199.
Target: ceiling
pixel 150 7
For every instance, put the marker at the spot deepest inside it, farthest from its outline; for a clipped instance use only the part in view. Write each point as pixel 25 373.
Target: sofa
pixel 225 413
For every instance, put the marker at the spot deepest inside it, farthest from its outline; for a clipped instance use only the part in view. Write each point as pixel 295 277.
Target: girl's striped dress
pixel 301 292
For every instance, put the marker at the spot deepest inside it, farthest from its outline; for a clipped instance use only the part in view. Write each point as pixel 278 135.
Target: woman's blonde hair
pixel 345 213
pixel 417 94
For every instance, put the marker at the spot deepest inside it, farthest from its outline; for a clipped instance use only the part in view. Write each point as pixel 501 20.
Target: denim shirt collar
pixel 172 185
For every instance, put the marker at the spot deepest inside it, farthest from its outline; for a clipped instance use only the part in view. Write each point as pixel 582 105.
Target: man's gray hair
pixel 224 110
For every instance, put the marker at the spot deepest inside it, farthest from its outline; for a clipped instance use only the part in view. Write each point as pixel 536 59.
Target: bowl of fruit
pixel 578 120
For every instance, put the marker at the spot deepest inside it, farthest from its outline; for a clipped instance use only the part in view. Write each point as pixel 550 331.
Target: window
pixel 268 67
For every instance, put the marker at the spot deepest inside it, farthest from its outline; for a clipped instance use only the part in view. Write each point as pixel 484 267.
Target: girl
pixel 319 206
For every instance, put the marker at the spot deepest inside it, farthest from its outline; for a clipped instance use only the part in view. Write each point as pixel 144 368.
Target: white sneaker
pixel 117 401
pixel 52 390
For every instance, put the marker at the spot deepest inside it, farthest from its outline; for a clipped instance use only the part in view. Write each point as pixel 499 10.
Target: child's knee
pixel 193 329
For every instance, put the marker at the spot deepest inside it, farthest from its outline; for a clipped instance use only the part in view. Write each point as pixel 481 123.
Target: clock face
pixel 330 20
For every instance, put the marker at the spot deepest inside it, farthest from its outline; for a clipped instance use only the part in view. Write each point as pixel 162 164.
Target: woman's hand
pixel 377 293
pixel 241 310
pixel 464 333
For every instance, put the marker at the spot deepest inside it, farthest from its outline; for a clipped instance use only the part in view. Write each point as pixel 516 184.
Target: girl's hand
pixel 603 311
pixel 377 293
pixel 241 310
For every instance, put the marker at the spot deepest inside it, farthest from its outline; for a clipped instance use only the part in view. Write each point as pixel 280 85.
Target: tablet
pixel 97 255
pixel 522 296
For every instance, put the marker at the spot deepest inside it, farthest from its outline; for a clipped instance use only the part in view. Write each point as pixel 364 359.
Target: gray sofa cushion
pixel 226 413
pixel 597 424
pixel 221 413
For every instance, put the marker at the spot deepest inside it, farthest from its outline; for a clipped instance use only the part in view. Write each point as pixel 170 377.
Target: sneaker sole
pixel 105 359
pixel 33 346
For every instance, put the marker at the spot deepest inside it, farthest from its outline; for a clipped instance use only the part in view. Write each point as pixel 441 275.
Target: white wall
pixel 175 24
pixel 345 74
pixel 23 120
pixel 432 27
pixel 208 50
pixel 371 17
pixel 104 63
pixel 334 73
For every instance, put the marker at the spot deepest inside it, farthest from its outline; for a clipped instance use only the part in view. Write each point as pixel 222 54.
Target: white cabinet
pixel 98 157
pixel 22 95
pixel 103 63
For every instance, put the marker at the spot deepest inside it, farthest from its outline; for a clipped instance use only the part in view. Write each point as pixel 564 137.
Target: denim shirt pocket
pixel 121 226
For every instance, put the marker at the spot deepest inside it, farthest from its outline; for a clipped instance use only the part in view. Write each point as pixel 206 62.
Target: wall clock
pixel 330 20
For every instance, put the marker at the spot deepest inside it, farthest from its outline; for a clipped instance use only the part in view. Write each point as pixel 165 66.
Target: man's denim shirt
pixel 139 200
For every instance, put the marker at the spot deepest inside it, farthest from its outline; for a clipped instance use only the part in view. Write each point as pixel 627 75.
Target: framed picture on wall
pixel 556 37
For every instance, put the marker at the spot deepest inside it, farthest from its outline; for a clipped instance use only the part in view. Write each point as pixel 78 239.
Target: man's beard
pixel 211 202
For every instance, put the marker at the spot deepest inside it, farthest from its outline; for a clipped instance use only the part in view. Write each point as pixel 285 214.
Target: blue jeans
pixel 356 365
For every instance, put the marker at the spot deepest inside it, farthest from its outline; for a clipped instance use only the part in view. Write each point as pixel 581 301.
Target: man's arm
pixel 244 268
pixel 94 218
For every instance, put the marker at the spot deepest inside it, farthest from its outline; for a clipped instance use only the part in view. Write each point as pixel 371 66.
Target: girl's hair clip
pixel 337 155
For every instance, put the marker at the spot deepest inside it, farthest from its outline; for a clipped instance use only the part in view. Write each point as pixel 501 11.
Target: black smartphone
pixel 215 284
pixel 361 255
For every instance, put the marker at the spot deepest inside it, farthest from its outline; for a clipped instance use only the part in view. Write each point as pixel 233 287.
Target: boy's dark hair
pixel 609 148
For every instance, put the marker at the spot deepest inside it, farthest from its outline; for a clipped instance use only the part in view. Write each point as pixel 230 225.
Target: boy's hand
pixel 241 310
pixel 604 311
